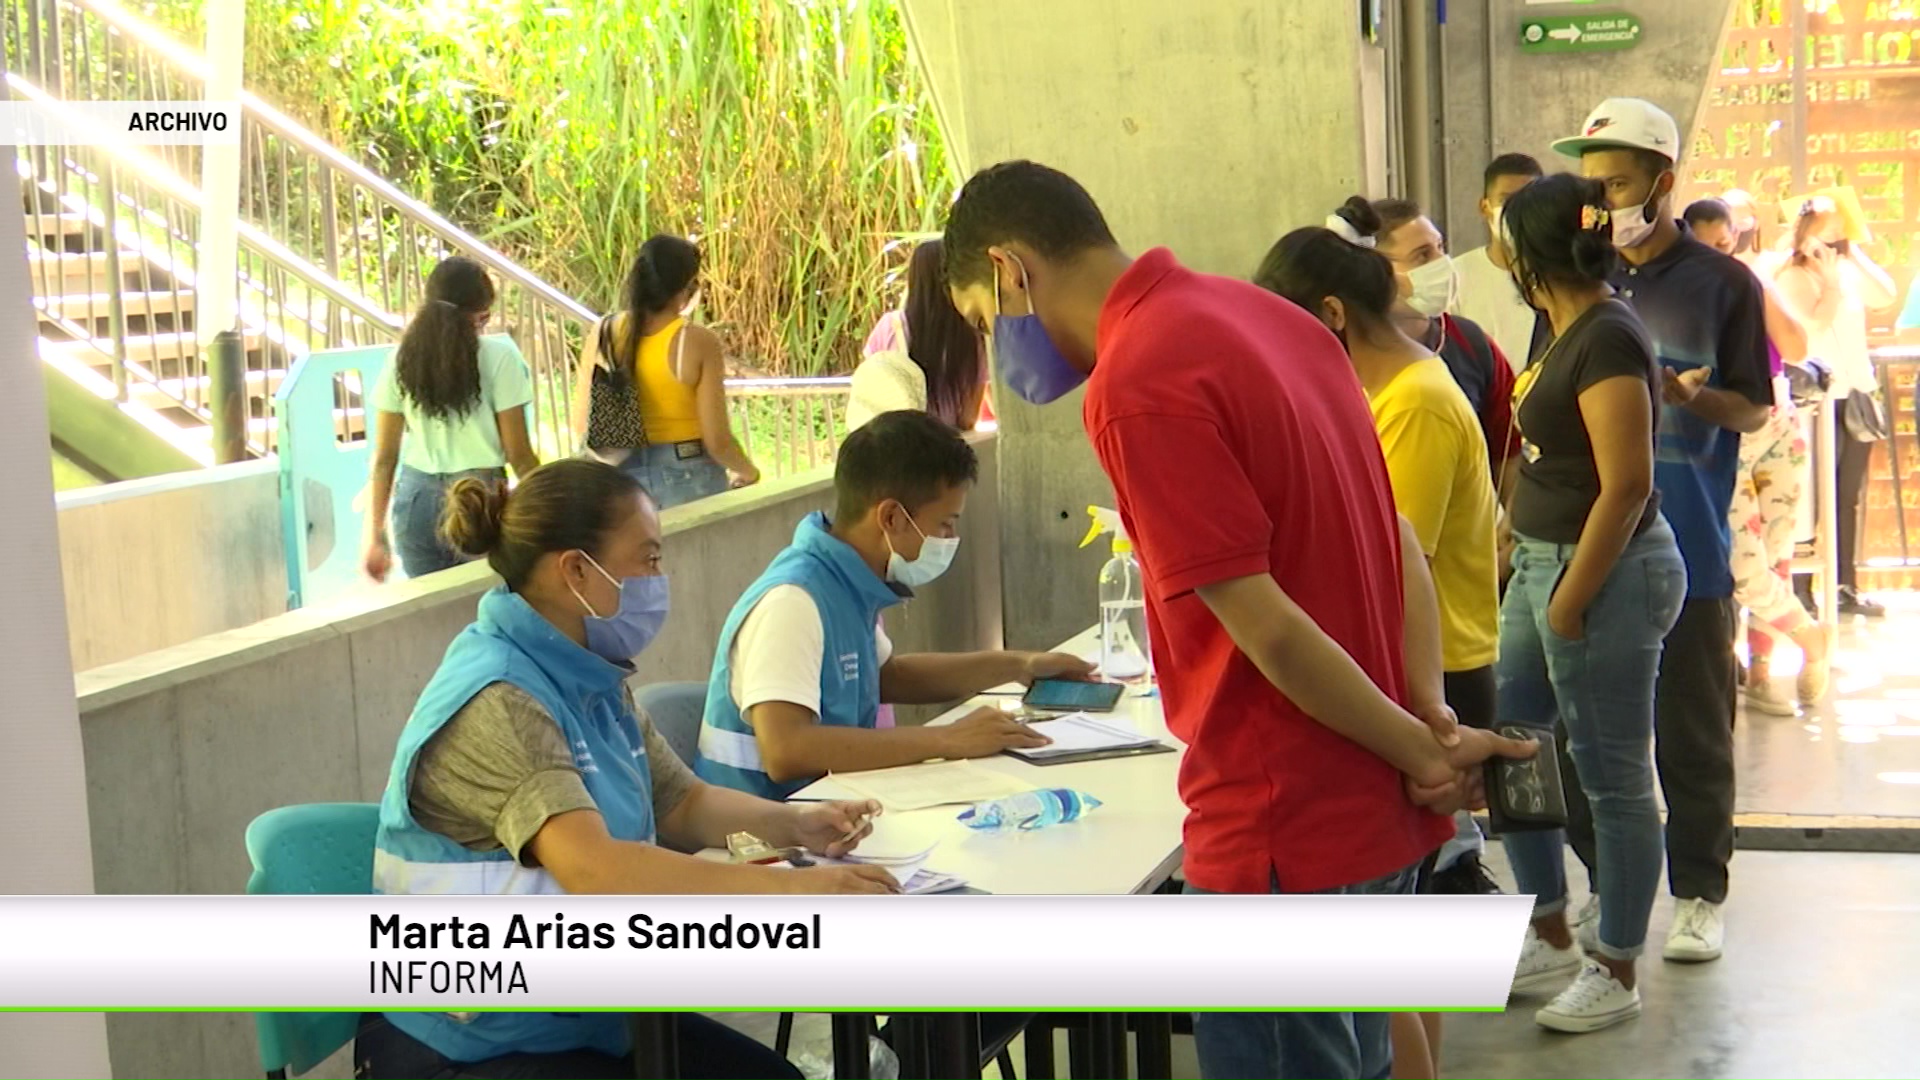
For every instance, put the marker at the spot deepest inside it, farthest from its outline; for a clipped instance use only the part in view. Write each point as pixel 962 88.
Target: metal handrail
pixel 135 204
pixel 318 205
pixel 173 186
pixel 252 105
pixel 314 218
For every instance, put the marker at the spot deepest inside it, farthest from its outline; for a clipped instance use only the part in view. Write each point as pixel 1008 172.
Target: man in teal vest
pixel 803 664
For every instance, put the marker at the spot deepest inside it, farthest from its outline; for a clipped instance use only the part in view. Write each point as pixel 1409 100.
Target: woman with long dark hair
pixel 677 375
pixel 925 357
pixel 451 405
pixel 1597 584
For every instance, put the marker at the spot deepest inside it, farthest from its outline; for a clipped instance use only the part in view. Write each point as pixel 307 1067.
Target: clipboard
pixel 1093 755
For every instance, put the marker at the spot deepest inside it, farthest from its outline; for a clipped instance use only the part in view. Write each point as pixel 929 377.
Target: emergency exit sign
pixel 1579 33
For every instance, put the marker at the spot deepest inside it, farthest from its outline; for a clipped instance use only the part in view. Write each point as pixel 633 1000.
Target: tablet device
pixel 1072 695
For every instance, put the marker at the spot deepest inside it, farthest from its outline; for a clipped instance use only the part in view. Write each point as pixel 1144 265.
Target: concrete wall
pixel 156 562
pixel 1209 128
pixel 1499 99
pixel 186 746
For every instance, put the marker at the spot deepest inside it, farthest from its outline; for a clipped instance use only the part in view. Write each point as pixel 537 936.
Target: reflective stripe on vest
pixel 742 751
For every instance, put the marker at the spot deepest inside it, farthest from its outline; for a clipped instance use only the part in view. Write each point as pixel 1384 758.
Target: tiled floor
pixel 1821 952
pixel 1819 976
pixel 1859 754
pixel 1818 981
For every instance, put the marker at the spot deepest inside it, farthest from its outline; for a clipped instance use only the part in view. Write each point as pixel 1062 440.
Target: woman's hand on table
pixel 833 828
pixel 855 878
pixel 1056 665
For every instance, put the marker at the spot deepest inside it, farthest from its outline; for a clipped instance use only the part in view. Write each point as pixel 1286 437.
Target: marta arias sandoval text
pixel 643 932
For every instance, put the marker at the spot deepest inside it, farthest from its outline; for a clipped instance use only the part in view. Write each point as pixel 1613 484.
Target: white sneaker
pixel 1543 967
pixel 1765 697
pixel 1586 925
pixel 1698 932
pixel 1596 1000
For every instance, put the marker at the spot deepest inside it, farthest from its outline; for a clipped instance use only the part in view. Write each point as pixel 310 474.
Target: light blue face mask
pixel 1027 358
pixel 936 555
pixel 625 634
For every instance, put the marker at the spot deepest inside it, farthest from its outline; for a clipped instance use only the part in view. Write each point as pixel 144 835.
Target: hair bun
pixel 471 521
pixel 1358 212
pixel 1594 254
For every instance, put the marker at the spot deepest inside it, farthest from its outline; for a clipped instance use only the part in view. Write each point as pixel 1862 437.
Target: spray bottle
pixel 1124 652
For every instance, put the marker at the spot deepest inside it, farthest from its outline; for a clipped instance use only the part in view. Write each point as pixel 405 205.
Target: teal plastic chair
pixel 676 709
pixel 318 849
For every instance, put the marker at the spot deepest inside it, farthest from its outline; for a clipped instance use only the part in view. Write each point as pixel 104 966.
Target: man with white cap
pixel 1706 316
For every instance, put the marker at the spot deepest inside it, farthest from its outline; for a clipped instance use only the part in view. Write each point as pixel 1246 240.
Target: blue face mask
pixel 1028 360
pixel 625 634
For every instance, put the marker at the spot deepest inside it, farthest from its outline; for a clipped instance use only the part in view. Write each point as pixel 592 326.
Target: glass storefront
pixel 1828 96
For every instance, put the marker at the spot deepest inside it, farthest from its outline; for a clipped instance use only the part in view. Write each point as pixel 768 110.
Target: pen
pixel 859 823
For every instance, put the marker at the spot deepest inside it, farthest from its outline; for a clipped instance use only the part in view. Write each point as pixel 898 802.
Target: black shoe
pixel 1852 603
pixel 1466 877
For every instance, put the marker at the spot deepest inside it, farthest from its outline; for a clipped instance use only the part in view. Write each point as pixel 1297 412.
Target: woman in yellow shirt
pixel 1437 460
pixel 678 377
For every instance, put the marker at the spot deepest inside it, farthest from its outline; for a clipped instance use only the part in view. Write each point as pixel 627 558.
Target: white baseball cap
pixel 1625 122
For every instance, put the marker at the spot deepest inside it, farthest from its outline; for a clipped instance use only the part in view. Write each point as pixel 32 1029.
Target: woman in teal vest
pixel 526 769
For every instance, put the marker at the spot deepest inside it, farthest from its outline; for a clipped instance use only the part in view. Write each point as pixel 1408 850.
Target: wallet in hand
pixel 1525 796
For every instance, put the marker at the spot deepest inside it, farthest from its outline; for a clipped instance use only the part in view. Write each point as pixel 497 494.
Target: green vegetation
pixel 791 138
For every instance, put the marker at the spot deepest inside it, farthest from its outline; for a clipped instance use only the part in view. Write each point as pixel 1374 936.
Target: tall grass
pixel 791 138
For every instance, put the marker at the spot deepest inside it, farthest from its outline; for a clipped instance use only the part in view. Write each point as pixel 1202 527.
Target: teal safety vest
pixel 512 643
pixel 850 598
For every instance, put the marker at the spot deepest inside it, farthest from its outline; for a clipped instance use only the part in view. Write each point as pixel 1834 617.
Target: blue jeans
pixel 676 473
pixel 419 498
pixel 1601 690
pixel 1302 1046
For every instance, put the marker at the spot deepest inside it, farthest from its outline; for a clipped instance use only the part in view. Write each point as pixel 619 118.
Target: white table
pixel 1130 844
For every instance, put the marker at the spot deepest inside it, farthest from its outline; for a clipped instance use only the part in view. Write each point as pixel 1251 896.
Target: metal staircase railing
pixel 322 207
pixel 333 221
pixel 125 299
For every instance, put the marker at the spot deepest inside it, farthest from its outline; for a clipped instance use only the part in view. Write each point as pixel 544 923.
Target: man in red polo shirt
pixel 1294 626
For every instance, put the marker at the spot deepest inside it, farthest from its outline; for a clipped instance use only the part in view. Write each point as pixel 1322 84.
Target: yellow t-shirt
pixel 1437 457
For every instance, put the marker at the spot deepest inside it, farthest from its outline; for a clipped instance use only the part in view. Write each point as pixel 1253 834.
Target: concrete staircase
pixel 79 272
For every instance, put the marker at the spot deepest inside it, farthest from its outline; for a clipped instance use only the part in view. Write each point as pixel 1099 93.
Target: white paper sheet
pixel 916 787
pixel 1079 733
pixel 914 878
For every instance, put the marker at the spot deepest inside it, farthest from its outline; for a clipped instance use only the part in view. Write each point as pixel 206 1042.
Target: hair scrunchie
pixel 1345 230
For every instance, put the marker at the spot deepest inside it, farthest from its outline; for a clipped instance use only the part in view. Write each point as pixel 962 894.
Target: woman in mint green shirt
pixel 452 404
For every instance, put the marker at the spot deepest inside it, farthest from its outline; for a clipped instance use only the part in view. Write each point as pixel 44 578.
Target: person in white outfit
pixel 1487 295
pixel 924 357
pixel 1830 283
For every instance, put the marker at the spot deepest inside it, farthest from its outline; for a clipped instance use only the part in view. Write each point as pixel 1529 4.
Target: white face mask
pixel 1435 286
pixel 1635 225
pixel 936 555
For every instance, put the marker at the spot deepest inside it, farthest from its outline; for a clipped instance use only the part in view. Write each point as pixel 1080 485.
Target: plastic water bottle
pixel 1029 810
pixel 1125 653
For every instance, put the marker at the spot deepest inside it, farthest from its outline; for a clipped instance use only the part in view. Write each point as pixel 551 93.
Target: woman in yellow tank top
pixel 678 376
